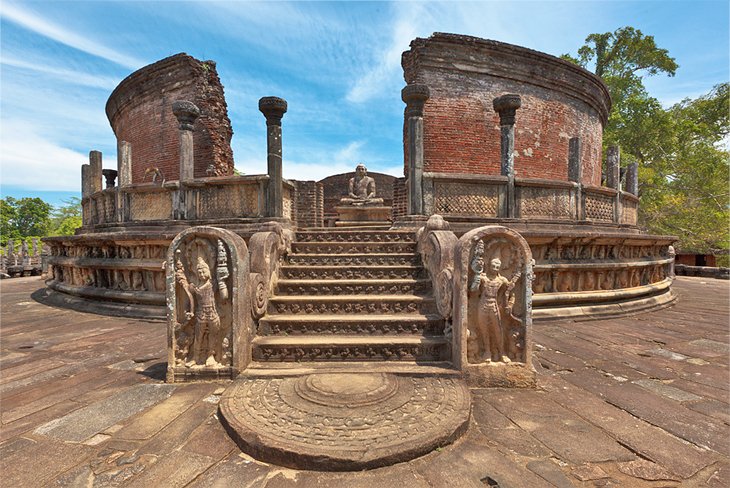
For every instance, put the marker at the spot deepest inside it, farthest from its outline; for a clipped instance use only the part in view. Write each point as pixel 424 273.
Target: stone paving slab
pixel 641 401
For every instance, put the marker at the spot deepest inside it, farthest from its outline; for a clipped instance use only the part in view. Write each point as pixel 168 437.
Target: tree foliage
pixel 66 218
pixel 24 217
pixel 32 217
pixel 681 150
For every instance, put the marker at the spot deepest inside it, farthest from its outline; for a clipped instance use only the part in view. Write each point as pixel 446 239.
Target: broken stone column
pixel 575 174
pixel 186 113
pixel 124 163
pixel 506 106
pixel 632 179
pixel 95 172
pixel 85 180
pixel 613 163
pixel 274 109
pixel 613 177
pixel 415 97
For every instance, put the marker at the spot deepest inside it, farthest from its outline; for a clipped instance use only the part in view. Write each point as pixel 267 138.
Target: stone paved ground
pixel 637 401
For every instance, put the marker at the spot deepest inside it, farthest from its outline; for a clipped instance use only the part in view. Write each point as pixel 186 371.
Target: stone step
pixel 279 369
pixel 418 287
pixel 302 348
pixel 369 325
pixel 362 259
pixel 352 304
pixel 352 247
pixel 350 272
pixel 355 236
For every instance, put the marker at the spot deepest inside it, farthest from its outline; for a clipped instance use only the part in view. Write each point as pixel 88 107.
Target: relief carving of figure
pixel 202 329
pixel 494 320
pixel 361 190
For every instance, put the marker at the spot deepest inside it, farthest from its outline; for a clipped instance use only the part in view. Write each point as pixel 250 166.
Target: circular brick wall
pixel 140 112
pixel 461 129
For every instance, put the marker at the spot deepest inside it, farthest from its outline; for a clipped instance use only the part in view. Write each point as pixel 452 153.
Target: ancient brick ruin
pixel 501 220
pixel 139 113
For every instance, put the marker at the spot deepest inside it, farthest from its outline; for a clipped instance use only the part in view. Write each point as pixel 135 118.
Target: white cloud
pixel 386 69
pixel 69 76
pixel 29 20
pixel 33 161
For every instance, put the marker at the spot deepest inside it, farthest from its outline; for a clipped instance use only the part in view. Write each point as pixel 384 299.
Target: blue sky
pixel 336 63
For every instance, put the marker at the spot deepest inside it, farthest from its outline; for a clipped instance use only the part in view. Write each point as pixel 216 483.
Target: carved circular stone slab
pixel 344 421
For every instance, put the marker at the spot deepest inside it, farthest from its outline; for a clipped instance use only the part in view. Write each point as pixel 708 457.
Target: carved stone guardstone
pixel 208 305
pixel 493 308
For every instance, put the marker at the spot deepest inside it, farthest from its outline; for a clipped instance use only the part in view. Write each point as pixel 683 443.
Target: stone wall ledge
pixel 91 292
pixel 486 179
pixel 601 190
pixel 602 311
pixel 545 183
pixel 576 297
pixel 607 264
pixel 109 263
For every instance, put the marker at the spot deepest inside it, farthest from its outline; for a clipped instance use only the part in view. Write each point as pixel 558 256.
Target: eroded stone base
pixel 344 421
pixel 500 375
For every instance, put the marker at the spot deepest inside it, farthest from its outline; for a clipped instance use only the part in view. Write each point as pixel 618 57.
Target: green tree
pixel 683 162
pixel 8 216
pixel 25 217
pixel 622 58
pixel 66 218
pixel 685 191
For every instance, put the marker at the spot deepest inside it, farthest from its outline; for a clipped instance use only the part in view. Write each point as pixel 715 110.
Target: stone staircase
pixel 351 296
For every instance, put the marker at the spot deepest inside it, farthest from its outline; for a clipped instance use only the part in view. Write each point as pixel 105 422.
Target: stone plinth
pixel 362 215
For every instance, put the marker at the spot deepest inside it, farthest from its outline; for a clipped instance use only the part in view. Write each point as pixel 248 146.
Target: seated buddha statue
pixel 361 189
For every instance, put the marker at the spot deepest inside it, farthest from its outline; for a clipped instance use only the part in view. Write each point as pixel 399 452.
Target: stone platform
pixel 344 421
pixel 640 401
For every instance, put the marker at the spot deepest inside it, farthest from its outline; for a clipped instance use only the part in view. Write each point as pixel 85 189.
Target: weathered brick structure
pixel 461 130
pixel 139 113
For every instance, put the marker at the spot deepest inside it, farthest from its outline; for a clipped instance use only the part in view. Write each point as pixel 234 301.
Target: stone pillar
pixel 613 164
pixel 186 113
pixel 85 180
pixel 506 106
pixel 632 179
pixel 415 97
pixel 95 172
pixel 110 175
pixel 124 163
pixel 274 109
pixel 613 177
pixel 575 174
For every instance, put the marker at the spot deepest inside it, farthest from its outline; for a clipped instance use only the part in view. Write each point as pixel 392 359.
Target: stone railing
pixel 483 196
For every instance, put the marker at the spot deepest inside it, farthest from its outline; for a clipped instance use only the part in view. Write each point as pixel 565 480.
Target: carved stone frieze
pixel 436 351
pixel 208 300
pixel 355 260
pixel 388 236
pixel 426 327
pixel 346 273
pixel 465 199
pixel 322 306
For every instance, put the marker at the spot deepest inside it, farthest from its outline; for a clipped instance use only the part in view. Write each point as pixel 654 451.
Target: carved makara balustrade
pixel 436 244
